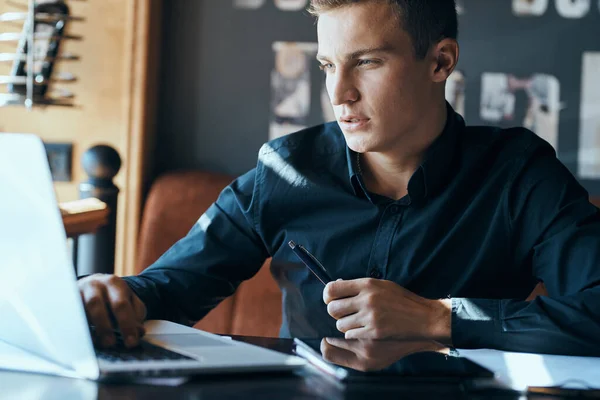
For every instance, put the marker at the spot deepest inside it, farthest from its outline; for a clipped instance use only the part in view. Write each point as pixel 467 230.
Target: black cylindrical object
pixel 96 251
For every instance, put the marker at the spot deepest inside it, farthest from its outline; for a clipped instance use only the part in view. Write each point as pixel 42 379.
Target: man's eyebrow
pixel 386 48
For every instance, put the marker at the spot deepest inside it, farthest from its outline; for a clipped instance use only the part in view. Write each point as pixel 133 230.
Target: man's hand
pixel 378 309
pixel 374 355
pixel 108 298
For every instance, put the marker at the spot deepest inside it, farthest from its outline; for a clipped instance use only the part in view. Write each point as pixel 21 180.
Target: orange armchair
pixel 175 202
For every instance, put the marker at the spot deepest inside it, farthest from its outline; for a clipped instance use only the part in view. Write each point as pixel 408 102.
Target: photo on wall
pixel 525 8
pixel 249 4
pixel 589 117
pixel 534 102
pixel 291 5
pixel 455 91
pixel 290 87
pixel 565 8
pixel 573 8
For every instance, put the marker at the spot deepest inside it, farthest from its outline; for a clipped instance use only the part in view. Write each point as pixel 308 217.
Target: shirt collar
pixel 434 170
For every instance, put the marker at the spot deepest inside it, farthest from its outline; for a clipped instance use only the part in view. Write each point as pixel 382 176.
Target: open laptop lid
pixel 40 305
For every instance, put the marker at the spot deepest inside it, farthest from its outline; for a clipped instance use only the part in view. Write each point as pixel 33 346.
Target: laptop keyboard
pixel 144 352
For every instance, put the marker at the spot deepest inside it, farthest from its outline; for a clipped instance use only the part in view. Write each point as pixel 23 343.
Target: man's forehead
pixel 355 50
pixel 358 17
pixel 342 34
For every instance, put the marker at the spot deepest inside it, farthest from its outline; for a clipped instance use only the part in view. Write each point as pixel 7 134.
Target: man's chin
pixel 357 143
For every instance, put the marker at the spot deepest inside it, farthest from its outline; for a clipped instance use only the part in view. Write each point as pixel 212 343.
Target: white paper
pixel 521 370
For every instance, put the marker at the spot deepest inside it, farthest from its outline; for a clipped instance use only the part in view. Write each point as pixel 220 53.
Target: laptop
pixel 43 324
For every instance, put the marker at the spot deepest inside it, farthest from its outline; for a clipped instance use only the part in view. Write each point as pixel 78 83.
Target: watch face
pixel 291 5
pixel 572 8
pixel 248 3
pixel 529 7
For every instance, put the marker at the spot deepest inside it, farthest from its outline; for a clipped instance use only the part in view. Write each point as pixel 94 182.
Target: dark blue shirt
pixel 489 213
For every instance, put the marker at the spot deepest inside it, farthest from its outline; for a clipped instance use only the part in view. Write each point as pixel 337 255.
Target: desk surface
pixel 307 385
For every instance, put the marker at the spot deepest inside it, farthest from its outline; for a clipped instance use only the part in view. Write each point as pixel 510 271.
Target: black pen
pixel 311 262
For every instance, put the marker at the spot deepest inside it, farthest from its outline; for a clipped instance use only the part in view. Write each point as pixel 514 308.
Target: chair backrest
pixel 175 202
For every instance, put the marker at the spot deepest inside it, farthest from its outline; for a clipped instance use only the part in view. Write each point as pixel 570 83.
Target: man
pixel 431 229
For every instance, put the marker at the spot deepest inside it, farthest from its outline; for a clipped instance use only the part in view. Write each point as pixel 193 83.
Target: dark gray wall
pixel 215 90
pixel 217 60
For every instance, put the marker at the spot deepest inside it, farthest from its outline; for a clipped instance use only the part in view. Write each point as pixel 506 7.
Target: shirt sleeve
pixel 222 249
pixel 556 235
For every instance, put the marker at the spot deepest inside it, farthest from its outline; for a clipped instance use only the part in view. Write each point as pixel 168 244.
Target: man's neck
pixel 388 173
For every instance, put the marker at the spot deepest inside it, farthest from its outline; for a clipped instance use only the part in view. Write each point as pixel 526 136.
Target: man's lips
pixel 353 123
pixel 352 118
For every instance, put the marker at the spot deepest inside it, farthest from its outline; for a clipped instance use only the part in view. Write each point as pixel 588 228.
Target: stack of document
pixel 522 370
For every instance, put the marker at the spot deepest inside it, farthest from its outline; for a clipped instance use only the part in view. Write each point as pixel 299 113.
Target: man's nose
pixel 343 90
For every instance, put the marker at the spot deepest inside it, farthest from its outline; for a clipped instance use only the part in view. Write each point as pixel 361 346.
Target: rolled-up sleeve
pixel 222 249
pixel 556 235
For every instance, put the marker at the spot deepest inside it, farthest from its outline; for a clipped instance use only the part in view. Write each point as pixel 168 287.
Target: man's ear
pixel 445 57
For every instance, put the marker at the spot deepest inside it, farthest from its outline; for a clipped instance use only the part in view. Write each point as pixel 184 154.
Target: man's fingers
pixel 139 308
pixel 341 308
pixel 140 313
pixel 110 304
pixel 347 323
pixel 94 299
pixel 341 289
pixel 125 316
pixel 342 343
pixel 337 355
pixel 359 333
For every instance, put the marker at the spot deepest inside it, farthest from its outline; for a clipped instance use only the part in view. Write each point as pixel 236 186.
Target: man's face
pixel 378 89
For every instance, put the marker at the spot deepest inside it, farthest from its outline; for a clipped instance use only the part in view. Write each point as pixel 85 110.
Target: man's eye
pixel 366 62
pixel 325 67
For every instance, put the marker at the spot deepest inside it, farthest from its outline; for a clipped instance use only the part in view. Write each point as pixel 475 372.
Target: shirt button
pixel 394 209
pixel 375 273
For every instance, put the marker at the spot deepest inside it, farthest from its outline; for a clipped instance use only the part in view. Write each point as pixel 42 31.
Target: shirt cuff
pixel 147 294
pixel 476 323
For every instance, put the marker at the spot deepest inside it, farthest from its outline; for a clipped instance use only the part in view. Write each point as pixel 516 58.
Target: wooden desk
pixel 305 385
pixel 83 216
